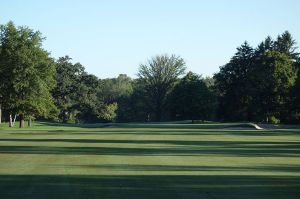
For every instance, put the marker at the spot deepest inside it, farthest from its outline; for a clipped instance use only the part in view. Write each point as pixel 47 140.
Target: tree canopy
pixel 158 77
pixel 27 72
pixel 257 84
pixel 191 99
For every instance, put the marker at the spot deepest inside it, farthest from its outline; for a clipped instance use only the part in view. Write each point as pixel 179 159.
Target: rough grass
pixel 149 161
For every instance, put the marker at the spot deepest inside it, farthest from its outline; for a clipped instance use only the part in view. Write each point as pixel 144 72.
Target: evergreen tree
pixel 233 85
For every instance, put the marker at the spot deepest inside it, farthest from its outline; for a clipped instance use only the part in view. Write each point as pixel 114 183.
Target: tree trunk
pixel 13 123
pixel 22 122
pixel 0 114
pixel 29 122
pixel 10 121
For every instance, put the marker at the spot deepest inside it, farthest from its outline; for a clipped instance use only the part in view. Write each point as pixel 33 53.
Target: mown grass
pixel 149 161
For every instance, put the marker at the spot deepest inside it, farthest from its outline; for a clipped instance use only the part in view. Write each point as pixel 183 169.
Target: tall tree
pixel 68 79
pixel 28 72
pixel 295 95
pixel 256 84
pixel 273 79
pixel 159 76
pixel 233 86
pixel 287 45
pixel 87 104
pixel 8 36
pixel 80 97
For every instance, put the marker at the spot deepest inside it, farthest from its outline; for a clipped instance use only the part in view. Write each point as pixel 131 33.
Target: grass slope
pixel 149 161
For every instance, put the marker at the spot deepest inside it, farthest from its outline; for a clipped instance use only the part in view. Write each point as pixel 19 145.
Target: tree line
pixel 258 84
pixel 261 84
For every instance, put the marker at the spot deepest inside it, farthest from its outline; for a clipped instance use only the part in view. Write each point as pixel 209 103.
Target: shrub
pixel 274 120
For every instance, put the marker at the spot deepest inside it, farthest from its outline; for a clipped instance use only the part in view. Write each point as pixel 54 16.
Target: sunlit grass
pixel 143 161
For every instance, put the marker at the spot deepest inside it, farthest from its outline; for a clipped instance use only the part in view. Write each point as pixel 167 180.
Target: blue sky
pixel 110 37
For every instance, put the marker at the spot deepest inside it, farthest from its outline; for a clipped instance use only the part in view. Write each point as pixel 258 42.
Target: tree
pixel 191 99
pixel 114 92
pixel 8 36
pixel 114 88
pixel 257 84
pixel 233 85
pixel 68 79
pixel 158 77
pixel 88 105
pixel 108 112
pixel 81 97
pixel 273 80
pixel 28 72
pixel 295 96
pixel 287 45
pixel 264 46
pixel 134 107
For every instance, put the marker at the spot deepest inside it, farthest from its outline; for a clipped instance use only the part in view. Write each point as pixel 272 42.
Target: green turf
pixel 209 161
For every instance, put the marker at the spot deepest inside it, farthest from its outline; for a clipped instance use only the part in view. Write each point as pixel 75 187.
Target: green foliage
pixel 274 120
pixel 273 78
pixel 86 102
pixel 257 84
pixel 158 77
pixel 108 112
pixel 115 88
pixel 136 107
pixel 287 45
pixel 67 77
pixel 232 83
pixel 77 94
pixel 296 88
pixel 191 99
pixel 27 70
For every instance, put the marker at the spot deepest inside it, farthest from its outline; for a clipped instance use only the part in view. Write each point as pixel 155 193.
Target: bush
pixel 274 120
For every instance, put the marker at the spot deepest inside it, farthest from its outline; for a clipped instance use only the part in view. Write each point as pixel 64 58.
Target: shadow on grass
pixel 162 125
pixel 146 168
pixel 158 187
pixel 164 147
pixel 184 132
pixel 216 144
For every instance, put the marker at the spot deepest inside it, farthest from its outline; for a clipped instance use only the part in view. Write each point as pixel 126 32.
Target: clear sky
pixel 110 37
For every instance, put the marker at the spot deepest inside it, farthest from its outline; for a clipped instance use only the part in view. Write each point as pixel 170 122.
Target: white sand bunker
pixel 256 126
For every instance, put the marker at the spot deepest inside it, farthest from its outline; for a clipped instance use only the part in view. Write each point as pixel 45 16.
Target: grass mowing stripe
pixel 149 161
